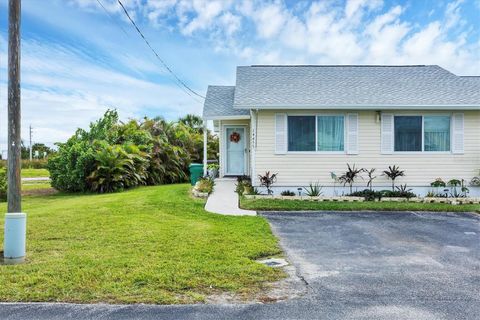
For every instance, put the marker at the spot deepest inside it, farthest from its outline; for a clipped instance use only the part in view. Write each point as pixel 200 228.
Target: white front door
pixel 236 151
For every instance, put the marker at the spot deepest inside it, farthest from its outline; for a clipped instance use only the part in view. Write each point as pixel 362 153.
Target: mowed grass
pixel 299 205
pixel 35 185
pixel 147 245
pixel 34 173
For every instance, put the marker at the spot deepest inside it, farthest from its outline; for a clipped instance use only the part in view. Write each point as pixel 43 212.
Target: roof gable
pixel 219 103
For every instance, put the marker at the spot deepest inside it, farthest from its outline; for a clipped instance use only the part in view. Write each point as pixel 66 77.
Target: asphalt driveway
pixel 414 266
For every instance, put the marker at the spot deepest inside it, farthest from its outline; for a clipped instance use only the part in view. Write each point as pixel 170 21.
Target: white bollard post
pixel 15 238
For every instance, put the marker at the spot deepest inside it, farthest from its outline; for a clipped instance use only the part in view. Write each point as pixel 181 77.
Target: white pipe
pixel 205 151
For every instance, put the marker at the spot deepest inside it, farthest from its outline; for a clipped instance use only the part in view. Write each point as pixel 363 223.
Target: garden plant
pixel 113 155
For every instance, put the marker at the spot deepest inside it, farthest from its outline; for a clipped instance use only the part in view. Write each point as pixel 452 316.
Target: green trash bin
pixel 196 172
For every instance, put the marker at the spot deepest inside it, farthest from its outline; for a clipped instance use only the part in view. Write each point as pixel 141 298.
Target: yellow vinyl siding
pixel 298 169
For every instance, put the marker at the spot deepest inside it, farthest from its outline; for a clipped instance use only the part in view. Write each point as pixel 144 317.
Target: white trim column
pixel 205 148
pixel 253 144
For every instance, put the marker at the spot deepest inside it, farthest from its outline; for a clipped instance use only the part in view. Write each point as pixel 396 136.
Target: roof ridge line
pixel 339 65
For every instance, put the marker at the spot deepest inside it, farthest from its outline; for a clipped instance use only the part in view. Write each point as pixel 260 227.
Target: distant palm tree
pixel 193 121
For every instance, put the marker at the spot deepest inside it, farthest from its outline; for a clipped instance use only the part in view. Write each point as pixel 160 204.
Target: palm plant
pixel 267 180
pixel 350 176
pixel 453 184
pixel 193 121
pixel 464 189
pixel 393 173
pixel 111 167
pixel 371 177
pixel 137 173
pixel 314 190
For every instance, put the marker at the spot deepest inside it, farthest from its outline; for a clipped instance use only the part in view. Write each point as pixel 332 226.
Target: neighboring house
pixel 304 122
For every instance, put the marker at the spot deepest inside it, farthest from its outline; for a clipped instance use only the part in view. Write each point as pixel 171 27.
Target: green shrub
pixel 244 185
pixel 368 195
pixel 112 155
pixel 205 185
pixel 34 164
pixel 27 164
pixel 287 193
pixel 398 194
pixel 117 168
pixel 372 195
pixel 3 185
pixel 71 165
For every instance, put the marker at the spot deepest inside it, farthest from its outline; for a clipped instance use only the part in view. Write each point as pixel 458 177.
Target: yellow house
pixel 307 122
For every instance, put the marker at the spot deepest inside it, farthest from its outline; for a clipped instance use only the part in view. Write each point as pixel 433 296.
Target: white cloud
pixel 63 90
pixel 354 6
pixel 230 22
pixel 452 14
pixel 269 19
pixel 205 13
pixel 360 31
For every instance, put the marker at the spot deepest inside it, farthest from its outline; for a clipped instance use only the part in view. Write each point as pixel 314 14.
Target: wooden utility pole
pixel 14 118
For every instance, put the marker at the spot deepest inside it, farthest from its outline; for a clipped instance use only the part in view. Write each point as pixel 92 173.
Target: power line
pixel 111 17
pixel 180 81
pixel 173 80
pixel 181 87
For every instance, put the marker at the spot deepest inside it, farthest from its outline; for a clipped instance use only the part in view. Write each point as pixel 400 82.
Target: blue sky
pixel 78 60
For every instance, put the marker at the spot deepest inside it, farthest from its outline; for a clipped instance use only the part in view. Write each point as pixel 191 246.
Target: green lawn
pixel 35 185
pixel 147 245
pixel 35 173
pixel 293 205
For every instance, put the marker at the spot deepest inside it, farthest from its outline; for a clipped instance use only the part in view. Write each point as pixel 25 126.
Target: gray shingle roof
pixel 219 103
pixel 475 80
pixel 356 86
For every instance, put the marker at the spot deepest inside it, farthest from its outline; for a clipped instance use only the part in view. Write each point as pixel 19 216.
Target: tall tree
pixel 193 121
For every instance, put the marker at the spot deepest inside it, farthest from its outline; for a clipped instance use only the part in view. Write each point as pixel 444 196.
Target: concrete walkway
pixel 224 199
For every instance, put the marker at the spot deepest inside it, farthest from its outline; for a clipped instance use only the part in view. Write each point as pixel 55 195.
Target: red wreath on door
pixel 235 137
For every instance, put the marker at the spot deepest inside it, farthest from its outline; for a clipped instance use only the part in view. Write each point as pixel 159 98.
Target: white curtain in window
pixel 437 133
pixel 330 133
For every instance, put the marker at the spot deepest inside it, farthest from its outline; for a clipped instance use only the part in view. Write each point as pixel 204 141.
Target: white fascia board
pixel 365 107
pixel 242 117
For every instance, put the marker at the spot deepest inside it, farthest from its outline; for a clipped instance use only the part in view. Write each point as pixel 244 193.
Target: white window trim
pixel 423 133
pixel 316 133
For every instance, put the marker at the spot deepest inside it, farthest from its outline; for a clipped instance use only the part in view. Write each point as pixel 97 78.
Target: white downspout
pixel 205 151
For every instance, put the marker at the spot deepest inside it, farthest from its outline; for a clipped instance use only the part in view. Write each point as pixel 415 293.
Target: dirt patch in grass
pixel 290 286
pixel 39 192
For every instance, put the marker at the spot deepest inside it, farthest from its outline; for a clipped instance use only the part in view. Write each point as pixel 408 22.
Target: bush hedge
pixel 112 155
pixel 27 164
pixel 3 185
pixel 371 195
